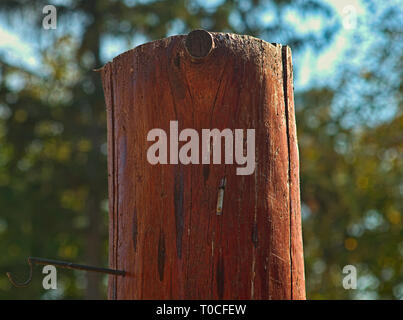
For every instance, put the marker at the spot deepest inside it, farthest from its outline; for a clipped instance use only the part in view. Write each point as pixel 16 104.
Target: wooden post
pixel 165 231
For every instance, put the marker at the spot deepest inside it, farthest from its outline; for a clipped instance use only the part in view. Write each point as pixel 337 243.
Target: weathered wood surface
pixel 164 230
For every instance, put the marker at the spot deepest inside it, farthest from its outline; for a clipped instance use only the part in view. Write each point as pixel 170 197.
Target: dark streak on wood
pixel 135 229
pixel 177 61
pixel 161 255
pixel 285 88
pixel 178 203
pixel 206 172
pixel 254 235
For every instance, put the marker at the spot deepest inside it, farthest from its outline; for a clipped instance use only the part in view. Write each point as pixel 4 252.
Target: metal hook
pixel 26 283
pixel 62 264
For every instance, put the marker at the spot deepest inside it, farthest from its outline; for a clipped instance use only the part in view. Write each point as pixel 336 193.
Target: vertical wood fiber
pixel 164 230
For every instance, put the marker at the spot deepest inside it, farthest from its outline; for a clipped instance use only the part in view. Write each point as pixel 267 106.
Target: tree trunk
pixel 165 229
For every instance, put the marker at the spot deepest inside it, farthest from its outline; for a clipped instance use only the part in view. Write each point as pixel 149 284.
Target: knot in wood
pixel 199 43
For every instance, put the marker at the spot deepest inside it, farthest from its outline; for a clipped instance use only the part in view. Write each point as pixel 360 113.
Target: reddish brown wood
pixel 164 230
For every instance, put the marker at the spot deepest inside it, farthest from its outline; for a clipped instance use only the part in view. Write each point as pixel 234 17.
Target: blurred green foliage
pixel 53 172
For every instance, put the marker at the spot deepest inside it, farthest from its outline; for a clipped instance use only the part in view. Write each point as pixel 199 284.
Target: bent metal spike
pixel 61 264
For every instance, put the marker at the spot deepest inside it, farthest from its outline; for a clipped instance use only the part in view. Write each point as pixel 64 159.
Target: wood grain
pixel 164 230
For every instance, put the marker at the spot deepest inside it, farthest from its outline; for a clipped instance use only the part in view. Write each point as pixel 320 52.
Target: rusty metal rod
pixel 62 264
